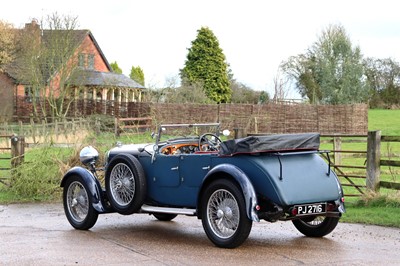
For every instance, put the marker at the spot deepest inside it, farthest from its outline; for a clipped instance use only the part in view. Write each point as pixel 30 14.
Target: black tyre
pixel 223 212
pixel 125 184
pixel 318 226
pixel 164 216
pixel 78 205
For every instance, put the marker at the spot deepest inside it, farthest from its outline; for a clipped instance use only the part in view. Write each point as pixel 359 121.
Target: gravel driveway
pixel 39 234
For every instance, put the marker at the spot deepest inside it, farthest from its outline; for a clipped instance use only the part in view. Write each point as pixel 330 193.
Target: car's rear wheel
pixel 78 205
pixel 164 216
pixel 224 214
pixel 317 226
pixel 125 184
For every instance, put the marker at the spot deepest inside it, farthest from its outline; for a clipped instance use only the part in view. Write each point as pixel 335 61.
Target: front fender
pixel 244 182
pixel 93 186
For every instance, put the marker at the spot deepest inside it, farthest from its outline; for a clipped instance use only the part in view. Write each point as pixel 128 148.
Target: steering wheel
pixel 209 142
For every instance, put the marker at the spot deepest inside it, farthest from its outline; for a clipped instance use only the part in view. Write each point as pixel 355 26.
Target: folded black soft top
pixel 271 143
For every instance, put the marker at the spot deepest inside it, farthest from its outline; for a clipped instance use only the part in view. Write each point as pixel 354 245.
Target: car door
pixel 192 170
pixel 162 175
pixel 174 180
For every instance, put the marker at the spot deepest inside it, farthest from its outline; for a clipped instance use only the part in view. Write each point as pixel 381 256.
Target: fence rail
pixel 11 156
pixel 136 123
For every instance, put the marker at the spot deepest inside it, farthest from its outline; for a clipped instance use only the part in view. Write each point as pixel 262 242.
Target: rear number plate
pixel 310 208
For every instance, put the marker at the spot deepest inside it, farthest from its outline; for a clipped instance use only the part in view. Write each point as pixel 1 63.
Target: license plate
pixel 307 209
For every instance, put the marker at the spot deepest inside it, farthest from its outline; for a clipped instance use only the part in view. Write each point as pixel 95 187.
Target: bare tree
pixel 281 89
pixel 49 56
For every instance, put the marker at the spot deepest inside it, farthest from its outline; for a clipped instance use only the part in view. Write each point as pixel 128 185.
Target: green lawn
pixel 388 121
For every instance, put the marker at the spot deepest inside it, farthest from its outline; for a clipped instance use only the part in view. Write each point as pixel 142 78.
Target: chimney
pixel 33 26
pixel 33 30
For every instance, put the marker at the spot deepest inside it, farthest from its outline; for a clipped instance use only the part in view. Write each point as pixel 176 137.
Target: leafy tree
pixel 264 97
pixel 383 76
pixel 244 94
pixel 7 44
pixel 173 93
pixel 331 71
pixel 116 68
pixel 137 75
pixel 206 66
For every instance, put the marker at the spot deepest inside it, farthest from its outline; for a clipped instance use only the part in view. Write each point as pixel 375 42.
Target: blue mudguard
pixel 244 182
pixel 93 186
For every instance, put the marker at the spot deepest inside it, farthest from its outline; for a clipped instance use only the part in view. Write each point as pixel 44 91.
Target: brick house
pixel 87 72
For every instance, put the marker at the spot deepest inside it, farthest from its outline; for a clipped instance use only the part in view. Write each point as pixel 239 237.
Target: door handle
pixel 174 168
pixel 206 168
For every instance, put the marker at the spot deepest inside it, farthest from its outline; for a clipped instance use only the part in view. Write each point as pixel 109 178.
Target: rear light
pixel 342 199
pixel 294 211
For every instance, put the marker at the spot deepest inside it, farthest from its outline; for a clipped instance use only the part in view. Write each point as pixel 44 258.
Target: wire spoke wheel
pixel 77 201
pixel 223 213
pixel 125 183
pixel 316 226
pixel 78 205
pixel 122 184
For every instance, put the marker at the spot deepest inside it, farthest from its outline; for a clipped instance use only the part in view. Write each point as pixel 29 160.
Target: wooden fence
pixel 375 161
pixel 270 117
pixel 65 131
pixel 366 175
pixel 371 164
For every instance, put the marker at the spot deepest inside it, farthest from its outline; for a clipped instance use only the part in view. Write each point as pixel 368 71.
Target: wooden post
pixel 255 125
pixel 116 126
pixel 337 146
pixel 373 160
pixel 56 129
pixel 21 127
pixel 240 133
pixel 17 150
pixel 33 129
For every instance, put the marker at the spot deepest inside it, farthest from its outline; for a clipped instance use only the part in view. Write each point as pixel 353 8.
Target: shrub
pixel 39 177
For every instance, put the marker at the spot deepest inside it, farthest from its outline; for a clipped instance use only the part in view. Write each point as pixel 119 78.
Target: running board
pixel 151 209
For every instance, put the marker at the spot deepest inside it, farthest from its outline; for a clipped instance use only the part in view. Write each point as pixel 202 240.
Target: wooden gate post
pixel 373 160
pixel 17 150
pixel 337 146
pixel 239 133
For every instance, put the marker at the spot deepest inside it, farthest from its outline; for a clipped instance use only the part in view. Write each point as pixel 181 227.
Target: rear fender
pixel 93 186
pixel 241 178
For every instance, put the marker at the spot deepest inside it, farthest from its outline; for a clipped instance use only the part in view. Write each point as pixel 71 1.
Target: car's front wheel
pixel 223 214
pixel 125 184
pixel 317 226
pixel 78 205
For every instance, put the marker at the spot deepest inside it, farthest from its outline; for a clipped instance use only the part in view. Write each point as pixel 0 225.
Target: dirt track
pixel 39 234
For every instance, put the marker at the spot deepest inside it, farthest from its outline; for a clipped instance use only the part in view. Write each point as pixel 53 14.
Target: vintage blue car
pixel 228 184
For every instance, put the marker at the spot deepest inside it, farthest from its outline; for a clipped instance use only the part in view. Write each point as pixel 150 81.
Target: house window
pixel 91 61
pixel 29 94
pixel 86 61
pixel 81 60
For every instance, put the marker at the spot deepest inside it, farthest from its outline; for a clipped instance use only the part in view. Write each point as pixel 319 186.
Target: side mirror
pixel 88 155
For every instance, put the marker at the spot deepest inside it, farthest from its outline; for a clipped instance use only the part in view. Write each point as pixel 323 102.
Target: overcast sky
pixel 255 35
